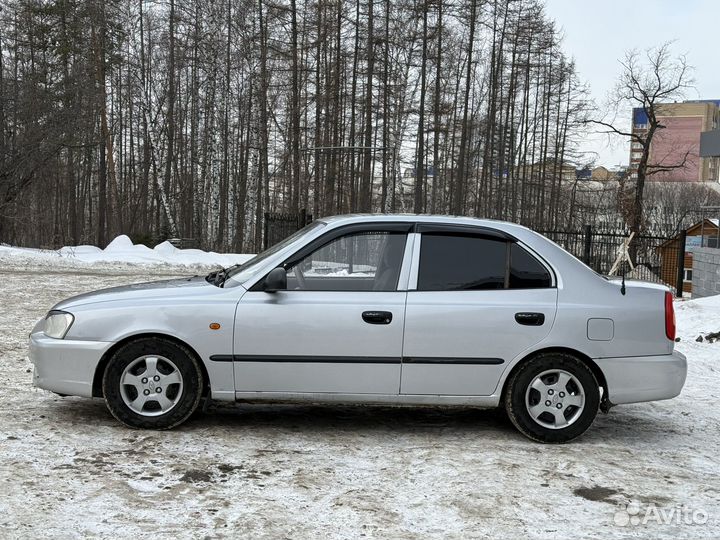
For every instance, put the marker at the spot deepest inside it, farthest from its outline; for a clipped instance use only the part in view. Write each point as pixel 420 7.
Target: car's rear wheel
pixel 152 383
pixel 552 398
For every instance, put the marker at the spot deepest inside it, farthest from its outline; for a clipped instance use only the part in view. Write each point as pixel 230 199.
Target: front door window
pixel 368 261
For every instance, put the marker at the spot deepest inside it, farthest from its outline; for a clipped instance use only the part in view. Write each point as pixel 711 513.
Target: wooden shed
pixel 703 233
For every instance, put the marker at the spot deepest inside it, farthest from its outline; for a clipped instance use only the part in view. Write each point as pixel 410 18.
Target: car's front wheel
pixel 152 383
pixel 552 398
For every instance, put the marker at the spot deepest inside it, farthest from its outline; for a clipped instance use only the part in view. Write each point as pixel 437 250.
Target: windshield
pixel 246 270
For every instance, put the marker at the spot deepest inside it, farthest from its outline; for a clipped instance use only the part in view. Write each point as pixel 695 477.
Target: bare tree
pixel 673 206
pixel 648 80
pixel 203 116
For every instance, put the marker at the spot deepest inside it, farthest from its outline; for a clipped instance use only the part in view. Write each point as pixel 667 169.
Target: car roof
pixel 420 218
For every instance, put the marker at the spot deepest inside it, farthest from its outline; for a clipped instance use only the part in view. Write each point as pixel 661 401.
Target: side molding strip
pixel 353 359
pixel 456 361
pixel 222 358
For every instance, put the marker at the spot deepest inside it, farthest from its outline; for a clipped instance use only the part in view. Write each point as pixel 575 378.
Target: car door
pixel 477 299
pixel 338 326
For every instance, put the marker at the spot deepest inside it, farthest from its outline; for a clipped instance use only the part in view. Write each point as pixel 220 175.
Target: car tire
pixel 163 400
pixel 552 398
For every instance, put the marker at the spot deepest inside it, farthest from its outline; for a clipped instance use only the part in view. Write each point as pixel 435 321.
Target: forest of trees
pixel 193 118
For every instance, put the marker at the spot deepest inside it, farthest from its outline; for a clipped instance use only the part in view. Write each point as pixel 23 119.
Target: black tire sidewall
pixel 523 377
pixel 186 364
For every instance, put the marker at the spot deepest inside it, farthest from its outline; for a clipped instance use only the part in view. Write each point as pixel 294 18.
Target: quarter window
pixel 526 272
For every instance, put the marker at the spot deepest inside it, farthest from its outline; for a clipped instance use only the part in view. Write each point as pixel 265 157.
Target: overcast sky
pixel 598 32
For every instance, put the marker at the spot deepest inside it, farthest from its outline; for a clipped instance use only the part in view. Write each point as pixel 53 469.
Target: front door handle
pixel 530 319
pixel 377 317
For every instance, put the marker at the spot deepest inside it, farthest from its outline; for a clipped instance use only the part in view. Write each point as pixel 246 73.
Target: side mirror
pixel 276 280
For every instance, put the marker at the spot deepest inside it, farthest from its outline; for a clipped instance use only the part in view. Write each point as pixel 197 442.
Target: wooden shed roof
pixel 710 226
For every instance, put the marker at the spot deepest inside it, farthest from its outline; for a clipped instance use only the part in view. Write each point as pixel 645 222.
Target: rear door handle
pixel 530 319
pixel 377 317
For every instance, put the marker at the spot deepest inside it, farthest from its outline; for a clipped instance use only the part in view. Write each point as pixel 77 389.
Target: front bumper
pixel 65 366
pixel 634 379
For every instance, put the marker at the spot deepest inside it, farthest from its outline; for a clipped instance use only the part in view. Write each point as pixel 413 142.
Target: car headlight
pixel 57 324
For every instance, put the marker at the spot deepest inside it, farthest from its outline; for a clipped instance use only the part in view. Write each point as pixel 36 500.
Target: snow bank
pixel 698 317
pixel 122 251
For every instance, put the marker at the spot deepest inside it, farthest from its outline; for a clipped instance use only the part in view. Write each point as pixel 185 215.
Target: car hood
pixel 193 286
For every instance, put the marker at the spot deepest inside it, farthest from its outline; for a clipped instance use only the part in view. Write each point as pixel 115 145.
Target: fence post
pixel 266 227
pixel 588 244
pixel 680 264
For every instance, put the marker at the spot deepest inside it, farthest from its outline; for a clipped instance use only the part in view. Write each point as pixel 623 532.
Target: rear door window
pixel 455 262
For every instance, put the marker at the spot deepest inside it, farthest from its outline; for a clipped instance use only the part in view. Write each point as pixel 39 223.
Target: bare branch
pixel 612 129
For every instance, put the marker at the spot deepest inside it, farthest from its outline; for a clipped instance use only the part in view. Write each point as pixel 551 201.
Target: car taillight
pixel 669 317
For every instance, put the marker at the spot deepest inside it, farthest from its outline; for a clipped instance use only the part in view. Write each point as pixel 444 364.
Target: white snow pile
pixel 120 251
pixel 698 317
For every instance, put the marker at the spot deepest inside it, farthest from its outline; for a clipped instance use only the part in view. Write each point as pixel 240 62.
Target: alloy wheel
pixel 555 399
pixel 151 385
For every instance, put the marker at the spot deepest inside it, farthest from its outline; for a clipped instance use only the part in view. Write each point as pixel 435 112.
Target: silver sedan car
pixel 394 309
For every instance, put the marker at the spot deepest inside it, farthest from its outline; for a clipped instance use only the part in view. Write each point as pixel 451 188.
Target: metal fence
pixel 279 226
pixel 184 243
pixel 651 258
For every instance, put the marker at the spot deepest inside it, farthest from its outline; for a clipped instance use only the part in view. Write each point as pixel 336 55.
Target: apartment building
pixel 679 141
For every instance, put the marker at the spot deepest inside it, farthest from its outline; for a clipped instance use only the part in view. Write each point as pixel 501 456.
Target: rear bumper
pixel 65 366
pixel 633 379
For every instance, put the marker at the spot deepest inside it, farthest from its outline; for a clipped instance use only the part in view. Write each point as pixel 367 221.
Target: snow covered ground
pixel 121 252
pixel 69 470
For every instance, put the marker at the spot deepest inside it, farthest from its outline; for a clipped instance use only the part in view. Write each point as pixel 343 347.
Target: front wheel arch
pixel 102 364
pixel 599 375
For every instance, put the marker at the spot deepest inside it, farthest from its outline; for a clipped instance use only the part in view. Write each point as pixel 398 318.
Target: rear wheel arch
pixel 100 369
pixel 599 375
